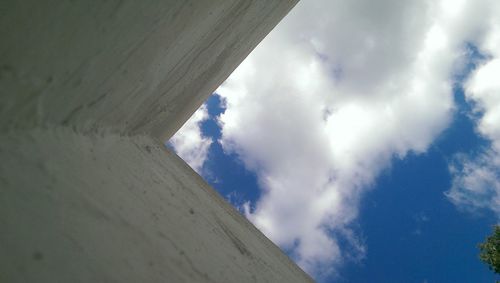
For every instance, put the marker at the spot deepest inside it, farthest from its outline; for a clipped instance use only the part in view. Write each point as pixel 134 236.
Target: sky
pixel 363 138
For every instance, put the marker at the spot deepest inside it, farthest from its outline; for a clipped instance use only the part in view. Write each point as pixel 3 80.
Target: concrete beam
pixel 132 67
pixel 89 91
pixel 111 208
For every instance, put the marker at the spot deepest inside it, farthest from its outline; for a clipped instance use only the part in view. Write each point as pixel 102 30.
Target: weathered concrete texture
pixel 132 66
pixel 109 208
pixel 89 90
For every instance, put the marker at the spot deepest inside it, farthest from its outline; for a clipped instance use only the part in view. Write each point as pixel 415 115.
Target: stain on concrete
pixel 37 255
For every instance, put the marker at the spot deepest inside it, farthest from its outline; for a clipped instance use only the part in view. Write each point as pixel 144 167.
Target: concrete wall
pixel 133 66
pixel 89 90
pixel 111 208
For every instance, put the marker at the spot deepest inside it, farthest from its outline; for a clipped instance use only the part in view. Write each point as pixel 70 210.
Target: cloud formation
pixel 189 142
pixel 325 102
pixel 476 179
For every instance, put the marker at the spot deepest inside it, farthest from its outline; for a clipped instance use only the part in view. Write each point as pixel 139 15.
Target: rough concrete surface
pixel 134 66
pixel 89 90
pixel 110 208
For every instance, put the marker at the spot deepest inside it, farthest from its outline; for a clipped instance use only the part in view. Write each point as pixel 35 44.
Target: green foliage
pixel 490 250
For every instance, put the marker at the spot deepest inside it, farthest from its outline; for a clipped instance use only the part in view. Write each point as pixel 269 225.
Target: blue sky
pixel 364 138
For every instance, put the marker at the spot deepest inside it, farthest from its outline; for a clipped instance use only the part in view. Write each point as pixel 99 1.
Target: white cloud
pixel 476 182
pixel 189 143
pixel 323 104
pixel 329 97
pixel 476 179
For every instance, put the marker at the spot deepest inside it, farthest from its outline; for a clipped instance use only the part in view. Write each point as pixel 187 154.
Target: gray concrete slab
pixel 132 66
pixel 111 208
pixel 89 90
